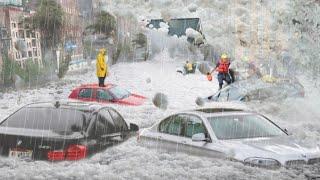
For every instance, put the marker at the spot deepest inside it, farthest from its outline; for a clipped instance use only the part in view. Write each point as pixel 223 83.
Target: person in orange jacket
pixel 223 70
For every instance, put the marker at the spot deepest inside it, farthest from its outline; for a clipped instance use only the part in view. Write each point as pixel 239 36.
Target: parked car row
pixel 78 128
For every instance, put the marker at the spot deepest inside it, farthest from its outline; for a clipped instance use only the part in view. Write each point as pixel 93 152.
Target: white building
pixel 25 42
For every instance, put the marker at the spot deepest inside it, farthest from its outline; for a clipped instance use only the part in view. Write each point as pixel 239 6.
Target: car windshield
pixel 119 92
pixel 243 126
pixel 59 120
pixel 229 93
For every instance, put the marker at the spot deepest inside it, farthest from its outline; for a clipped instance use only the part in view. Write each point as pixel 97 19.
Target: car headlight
pixel 262 162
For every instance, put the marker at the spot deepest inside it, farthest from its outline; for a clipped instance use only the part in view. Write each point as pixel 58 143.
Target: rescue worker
pixel 223 70
pixel 189 67
pixel 102 68
pixel 209 76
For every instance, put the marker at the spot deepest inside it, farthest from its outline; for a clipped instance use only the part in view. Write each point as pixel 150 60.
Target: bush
pixel 30 74
pixel 64 66
pixel 140 40
pixel 9 69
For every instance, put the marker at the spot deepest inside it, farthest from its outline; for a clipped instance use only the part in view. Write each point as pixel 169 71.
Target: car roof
pixel 95 86
pixel 67 104
pixel 209 112
pixel 252 84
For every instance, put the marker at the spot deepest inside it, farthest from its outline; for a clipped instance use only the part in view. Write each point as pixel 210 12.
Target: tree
pixel 105 24
pixel 49 19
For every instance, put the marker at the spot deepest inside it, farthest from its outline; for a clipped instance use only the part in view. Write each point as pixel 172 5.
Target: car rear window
pixel 119 92
pixel 55 119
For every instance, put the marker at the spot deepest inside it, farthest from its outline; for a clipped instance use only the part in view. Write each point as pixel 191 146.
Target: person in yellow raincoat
pixel 189 67
pixel 102 68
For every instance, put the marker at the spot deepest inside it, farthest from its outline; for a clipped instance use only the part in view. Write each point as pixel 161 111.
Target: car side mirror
pixel 199 137
pixel 134 127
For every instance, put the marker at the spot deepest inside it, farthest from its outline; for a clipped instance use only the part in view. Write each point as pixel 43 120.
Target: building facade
pixel 24 41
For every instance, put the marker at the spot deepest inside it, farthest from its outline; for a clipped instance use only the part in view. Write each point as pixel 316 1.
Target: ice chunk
pixel 160 100
pixel 200 101
pixel 148 80
pixel 192 7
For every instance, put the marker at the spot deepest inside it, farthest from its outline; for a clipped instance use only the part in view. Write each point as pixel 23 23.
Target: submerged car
pixel 62 131
pixel 109 94
pixel 234 134
pixel 256 89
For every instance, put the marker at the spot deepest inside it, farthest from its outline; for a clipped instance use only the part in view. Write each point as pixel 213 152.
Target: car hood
pixel 282 148
pixel 133 100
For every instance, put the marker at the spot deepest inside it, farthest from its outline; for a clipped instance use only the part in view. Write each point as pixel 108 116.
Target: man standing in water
pixel 102 68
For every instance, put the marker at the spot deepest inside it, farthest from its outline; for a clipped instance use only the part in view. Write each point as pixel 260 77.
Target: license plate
pixel 21 154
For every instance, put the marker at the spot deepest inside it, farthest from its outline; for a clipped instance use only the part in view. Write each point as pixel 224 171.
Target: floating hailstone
pixel 164 27
pixel 192 7
pixel 199 101
pixel 192 33
pixel 160 100
pixel 148 80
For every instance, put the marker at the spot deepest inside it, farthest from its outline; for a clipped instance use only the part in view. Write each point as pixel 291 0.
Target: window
pixel 119 121
pixel 183 125
pixel 104 124
pixel 172 125
pixel 35 52
pixel 29 53
pixel 119 93
pixel 56 119
pixel 104 95
pixel 85 93
pixel 33 43
pixel 28 33
pixel 243 126
pixel 21 33
pixel 23 54
pixel 193 125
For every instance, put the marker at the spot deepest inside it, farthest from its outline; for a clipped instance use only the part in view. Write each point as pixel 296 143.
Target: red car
pixel 109 94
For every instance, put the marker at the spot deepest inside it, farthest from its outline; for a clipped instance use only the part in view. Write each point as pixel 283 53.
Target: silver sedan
pixel 233 134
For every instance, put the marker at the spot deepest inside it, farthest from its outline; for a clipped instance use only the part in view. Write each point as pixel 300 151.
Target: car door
pixel 104 96
pixel 194 125
pixel 86 94
pixel 170 136
pixel 120 124
pixel 105 131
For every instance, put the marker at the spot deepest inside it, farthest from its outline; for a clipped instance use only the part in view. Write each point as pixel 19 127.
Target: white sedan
pixel 233 134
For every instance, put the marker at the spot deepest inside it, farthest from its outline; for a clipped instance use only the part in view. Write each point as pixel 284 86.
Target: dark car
pixel 256 89
pixel 109 94
pixel 62 131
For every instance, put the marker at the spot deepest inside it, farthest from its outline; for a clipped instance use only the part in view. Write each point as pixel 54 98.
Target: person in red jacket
pixel 223 70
